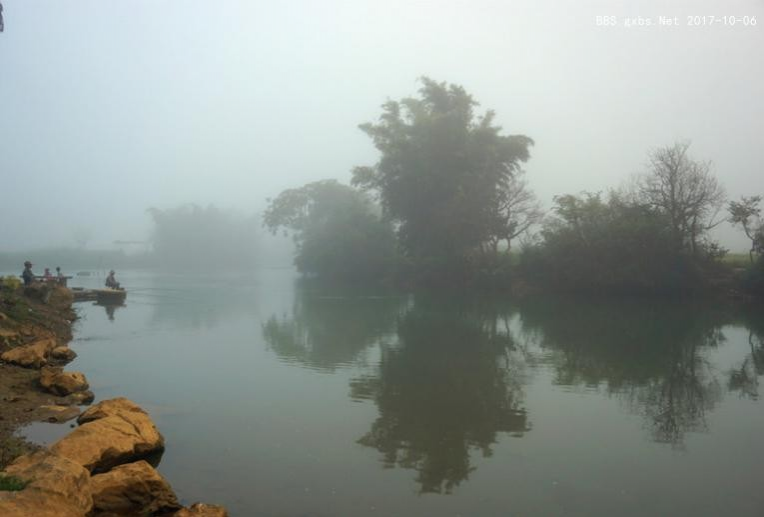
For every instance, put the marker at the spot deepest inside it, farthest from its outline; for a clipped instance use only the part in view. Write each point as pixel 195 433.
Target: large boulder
pixel 202 510
pixel 57 381
pixel 111 433
pixel 119 406
pixel 133 489
pixel 34 355
pixel 57 487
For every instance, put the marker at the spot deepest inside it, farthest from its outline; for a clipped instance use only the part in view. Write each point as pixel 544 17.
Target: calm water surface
pixel 279 398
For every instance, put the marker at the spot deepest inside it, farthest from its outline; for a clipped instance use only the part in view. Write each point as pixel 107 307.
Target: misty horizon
pixel 111 109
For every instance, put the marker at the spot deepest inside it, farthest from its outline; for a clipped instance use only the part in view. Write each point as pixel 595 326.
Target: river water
pixel 278 397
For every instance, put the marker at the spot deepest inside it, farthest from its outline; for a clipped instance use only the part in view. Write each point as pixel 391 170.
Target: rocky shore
pixel 103 467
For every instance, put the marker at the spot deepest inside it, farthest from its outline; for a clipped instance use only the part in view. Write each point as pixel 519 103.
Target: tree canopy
pixel 445 174
pixel 336 228
pixel 685 191
pixel 613 244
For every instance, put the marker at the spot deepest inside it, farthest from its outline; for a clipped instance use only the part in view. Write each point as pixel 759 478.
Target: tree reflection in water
pixel 452 372
pixel 745 378
pixel 327 329
pixel 651 355
pixel 450 385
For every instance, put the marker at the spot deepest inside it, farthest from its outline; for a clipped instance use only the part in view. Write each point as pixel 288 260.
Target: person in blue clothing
pixel 28 275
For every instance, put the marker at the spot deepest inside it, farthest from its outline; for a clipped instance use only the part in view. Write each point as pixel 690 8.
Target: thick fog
pixel 111 107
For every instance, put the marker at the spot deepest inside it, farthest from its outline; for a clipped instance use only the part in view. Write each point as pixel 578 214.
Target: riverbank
pixel 24 321
pixel 105 465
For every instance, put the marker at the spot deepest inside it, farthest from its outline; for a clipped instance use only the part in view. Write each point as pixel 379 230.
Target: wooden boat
pixel 82 295
pixel 110 296
pixel 104 296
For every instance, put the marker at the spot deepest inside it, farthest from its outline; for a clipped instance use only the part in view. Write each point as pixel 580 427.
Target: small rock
pixel 59 414
pixel 83 398
pixel 63 353
pixel 133 489
pixel 59 382
pixel 80 398
pixel 30 356
pixel 202 510
pixel 8 334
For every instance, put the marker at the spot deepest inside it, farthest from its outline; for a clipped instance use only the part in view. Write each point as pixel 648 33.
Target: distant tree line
pixel 195 237
pixel 448 199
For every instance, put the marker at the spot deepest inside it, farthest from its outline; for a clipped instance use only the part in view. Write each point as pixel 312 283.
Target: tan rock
pixel 59 382
pixel 59 414
pixel 63 353
pixel 202 510
pixel 112 432
pixel 8 334
pixel 81 398
pixel 119 406
pixel 57 487
pixel 133 489
pixel 30 356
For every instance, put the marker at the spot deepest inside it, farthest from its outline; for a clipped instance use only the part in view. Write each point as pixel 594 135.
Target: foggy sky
pixel 109 107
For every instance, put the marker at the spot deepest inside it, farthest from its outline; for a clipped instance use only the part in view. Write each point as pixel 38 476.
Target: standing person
pixel 28 275
pixel 48 275
pixel 111 282
pixel 60 278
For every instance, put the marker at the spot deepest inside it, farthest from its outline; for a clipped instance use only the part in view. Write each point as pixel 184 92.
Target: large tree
pixel 684 190
pixel 444 172
pixel 516 212
pixel 336 228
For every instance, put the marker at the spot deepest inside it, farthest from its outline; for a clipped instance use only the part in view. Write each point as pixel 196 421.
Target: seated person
pixel 111 282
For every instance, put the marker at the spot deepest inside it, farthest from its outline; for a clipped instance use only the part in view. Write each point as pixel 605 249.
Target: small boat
pixel 81 295
pixel 110 296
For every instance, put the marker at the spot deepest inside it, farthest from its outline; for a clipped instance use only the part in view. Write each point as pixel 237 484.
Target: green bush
pixel 11 483
pixel 611 246
pixel 10 283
